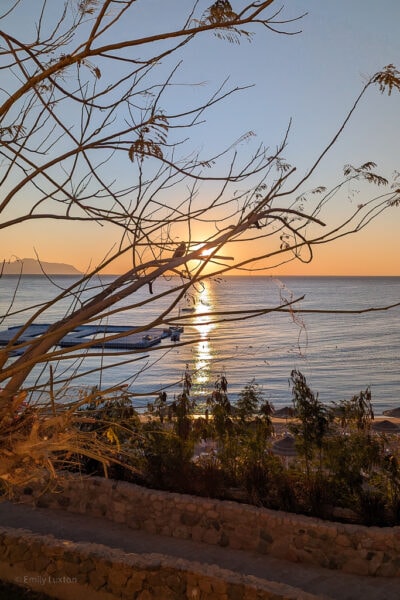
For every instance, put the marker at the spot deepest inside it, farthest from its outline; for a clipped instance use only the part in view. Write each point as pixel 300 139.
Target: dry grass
pixel 39 442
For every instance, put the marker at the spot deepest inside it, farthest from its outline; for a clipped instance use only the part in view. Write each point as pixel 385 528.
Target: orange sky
pixel 315 81
pixel 373 251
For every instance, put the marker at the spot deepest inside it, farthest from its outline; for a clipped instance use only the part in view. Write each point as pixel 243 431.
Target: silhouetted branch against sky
pixel 129 128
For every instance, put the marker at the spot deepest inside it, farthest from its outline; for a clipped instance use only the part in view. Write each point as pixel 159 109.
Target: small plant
pixel 371 508
pixel 208 478
pixel 249 401
pixel 182 407
pixel 221 408
pixel 314 418
pixel 159 407
pixel 357 412
pixel 349 459
pixel 166 458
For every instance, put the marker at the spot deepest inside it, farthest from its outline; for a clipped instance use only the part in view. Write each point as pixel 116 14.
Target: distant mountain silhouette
pixel 30 266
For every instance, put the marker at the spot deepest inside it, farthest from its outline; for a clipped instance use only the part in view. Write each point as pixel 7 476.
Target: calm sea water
pixel 339 354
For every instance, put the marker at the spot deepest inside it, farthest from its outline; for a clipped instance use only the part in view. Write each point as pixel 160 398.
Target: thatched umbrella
pixel 385 426
pixel 287 412
pixel 285 446
pixel 392 412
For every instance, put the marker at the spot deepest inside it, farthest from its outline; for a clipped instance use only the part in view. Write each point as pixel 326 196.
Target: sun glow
pixel 203 350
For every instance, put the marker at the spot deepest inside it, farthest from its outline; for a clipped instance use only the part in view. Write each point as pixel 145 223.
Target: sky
pixel 312 78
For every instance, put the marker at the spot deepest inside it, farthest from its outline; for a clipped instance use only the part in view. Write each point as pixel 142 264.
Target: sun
pixel 202 250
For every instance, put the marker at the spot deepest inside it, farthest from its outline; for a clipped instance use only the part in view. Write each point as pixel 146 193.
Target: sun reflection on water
pixel 203 351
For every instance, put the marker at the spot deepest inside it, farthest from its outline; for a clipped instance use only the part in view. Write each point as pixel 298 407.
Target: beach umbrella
pixel 285 446
pixel 287 412
pixel 392 412
pixel 385 426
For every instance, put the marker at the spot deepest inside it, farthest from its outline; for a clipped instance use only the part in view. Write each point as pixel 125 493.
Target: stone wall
pixel 68 571
pixel 351 548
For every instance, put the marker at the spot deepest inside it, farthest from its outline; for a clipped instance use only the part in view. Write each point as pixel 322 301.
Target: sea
pixel 249 329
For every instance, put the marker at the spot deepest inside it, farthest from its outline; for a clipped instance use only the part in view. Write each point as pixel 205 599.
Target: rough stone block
pixel 97 580
pixel 145 595
pixel 133 586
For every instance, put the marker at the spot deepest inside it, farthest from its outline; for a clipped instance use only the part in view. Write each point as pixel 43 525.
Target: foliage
pixel 167 458
pixel 344 466
pixel 221 408
pixel 39 441
pixel 182 406
pixel 353 469
pixel 349 460
pixel 208 478
pixel 371 508
pixel 159 407
pixel 112 417
pixel 248 401
pixel 357 412
pixel 313 418
pixel 113 421
pixel 388 79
